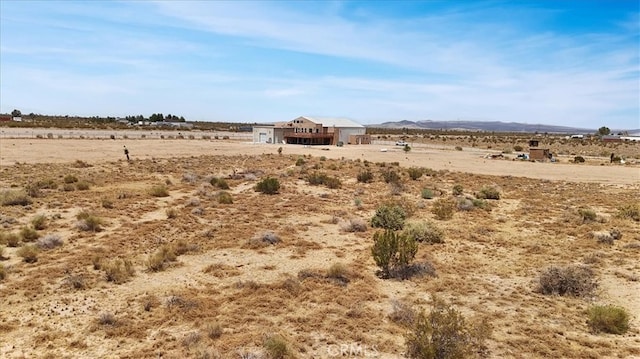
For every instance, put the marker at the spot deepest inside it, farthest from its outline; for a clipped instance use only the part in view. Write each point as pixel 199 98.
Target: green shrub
pixel 268 185
pixel 159 260
pixel 39 222
pixel 339 272
pixel 68 187
pixel 631 211
pixel 300 161
pixel 159 191
pixel 10 239
pixel 28 234
pixel 457 190
pixel 316 179
pixel 608 319
pixel 414 173
pixel 225 197
pixel 488 192
pixel 406 148
pixel 365 176
pixel 29 253
pixel 393 252
pixel 332 182
pixel 70 179
pixel 587 215
pixel 106 203
pixel 427 193
pixel 171 213
pixel 14 198
pixel 46 184
pixel 443 208
pixel 426 232
pixel 572 280
pixel 276 347
pixel 517 148
pixel 444 333
pixel 389 217
pixel 578 159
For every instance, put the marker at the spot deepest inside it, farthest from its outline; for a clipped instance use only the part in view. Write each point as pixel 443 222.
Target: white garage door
pixel 263 137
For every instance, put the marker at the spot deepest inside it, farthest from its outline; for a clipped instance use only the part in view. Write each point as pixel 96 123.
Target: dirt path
pixel 13 150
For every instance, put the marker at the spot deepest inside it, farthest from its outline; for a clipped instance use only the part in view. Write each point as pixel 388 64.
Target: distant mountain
pixel 487 126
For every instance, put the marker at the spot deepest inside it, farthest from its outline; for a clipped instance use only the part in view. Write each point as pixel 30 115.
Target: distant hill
pixel 487 126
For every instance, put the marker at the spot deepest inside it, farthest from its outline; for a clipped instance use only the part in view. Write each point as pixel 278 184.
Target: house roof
pixel 333 121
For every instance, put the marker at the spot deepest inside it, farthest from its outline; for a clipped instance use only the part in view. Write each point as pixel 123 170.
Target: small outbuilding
pixel 539 154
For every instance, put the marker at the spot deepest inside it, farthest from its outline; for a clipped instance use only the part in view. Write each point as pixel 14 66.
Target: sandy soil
pixel 226 294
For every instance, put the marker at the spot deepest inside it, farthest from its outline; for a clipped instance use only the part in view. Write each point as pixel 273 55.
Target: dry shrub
pixel 107 318
pixel 572 280
pixel 365 176
pixel 191 339
pixel 444 333
pixel 75 281
pixel 355 225
pixel 49 241
pixel 70 179
pixel 457 190
pixel 264 239
pixel 587 215
pixel 159 191
pixel 631 211
pixel 89 222
pixel 402 314
pixel 607 237
pixel 424 231
pixel 488 192
pixel 83 186
pixel 118 271
pixel 339 273
pixel 443 208
pixel 220 183
pixel 276 347
pixel 39 222
pixel 10 239
pixel 608 319
pixel 28 234
pixel 14 198
pixel 224 197
pixel 3 272
pixel 29 253
pixel 221 270
pixel 415 173
pixel 171 213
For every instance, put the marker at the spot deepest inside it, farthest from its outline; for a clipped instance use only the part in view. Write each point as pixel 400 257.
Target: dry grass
pixel 316 288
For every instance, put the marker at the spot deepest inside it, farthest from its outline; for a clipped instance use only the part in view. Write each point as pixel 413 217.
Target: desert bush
pixel 608 319
pixel 355 225
pixel 406 148
pixel 389 217
pixel 517 148
pixel 89 222
pixel 393 251
pixel 443 208
pixel 49 241
pixel 106 203
pixel 28 234
pixel 191 339
pixel 402 313
pixel 458 148
pixel 488 192
pixel 390 176
pixel 70 179
pixel 572 280
pixel 357 202
pixel 46 184
pixel 339 272
pixel 316 179
pixel 213 330
pixel 264 239
pixel 171 213
pixel 276 347
pixel 118 271
pixel 68 187
pixel 578 159
pixel 159 260
pixel 10 239
pixel 107 319
pixel 414 173
pixel 332 182
pixel 83 186
pixel 427 193
pixel 365 176
pixel 224 197
pixel 268 185
pixel 159 191
pixel 39 222
pixel 631 211
pixel 2 257
pixel 457 190
pixel 76 281
pixel 480 203
pixel 81 164
pixel 3 272
pixel 14 198
pixel 29 253
pixel 464 204
pixel 607 237
pixel 424 231
pixel 444 333
pixel 220 183
pixel 587 215
pixel 300 161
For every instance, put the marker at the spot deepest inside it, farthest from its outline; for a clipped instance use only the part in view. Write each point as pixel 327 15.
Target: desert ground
pixel 153 257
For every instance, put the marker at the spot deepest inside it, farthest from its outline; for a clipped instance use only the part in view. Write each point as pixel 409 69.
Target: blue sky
pixel 573 63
